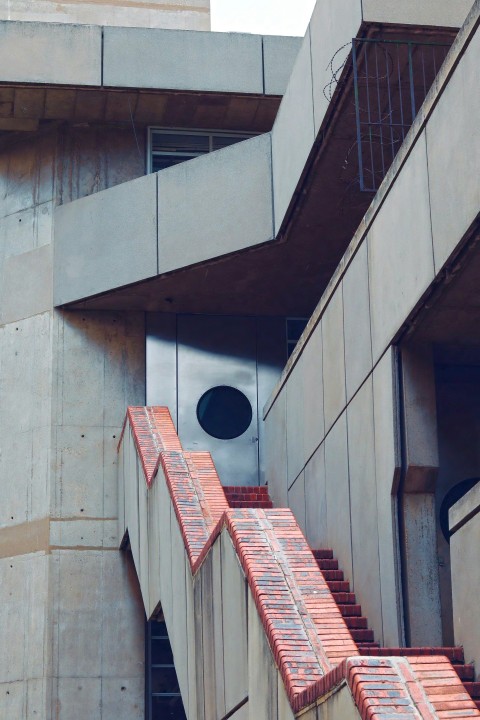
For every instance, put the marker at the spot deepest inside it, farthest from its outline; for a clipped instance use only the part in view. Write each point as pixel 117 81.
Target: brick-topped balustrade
pixel 310 641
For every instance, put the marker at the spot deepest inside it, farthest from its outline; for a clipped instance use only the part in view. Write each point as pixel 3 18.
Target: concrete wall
pixel 465 525
pixel 194 15
pixel 144 57
pixel 349 465
pixel 65 380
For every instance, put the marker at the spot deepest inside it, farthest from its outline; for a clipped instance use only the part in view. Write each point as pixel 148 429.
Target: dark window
pixel 164 701
pixel 171 147
pixel 295 327
pixel 224 412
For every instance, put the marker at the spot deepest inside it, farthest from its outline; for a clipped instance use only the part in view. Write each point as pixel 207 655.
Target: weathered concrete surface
pixel 214 191
pixel 279 55
pixel 215 62
pixel 50 53
pixel 411 12
pixel 464 544
pixel 97 236
pixel 155 13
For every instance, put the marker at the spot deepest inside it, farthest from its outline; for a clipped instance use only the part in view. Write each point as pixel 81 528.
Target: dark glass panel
pixel 167 708
pixel 224 412
pixel 161 652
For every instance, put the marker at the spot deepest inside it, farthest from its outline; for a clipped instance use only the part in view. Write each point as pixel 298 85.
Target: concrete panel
pixel 143 566
pixel 106 240
pixel 215 62
pixel 356 314
pixel 332 27
pixel 123 698
pixel 155 584
pixel 279 55
pixel 178 633
pixel 453 143
pixel 443 13
pixel 157 14
pixel 339 706
pixel 338 495
pixel 216 552
pixel 276 450
pixel 50 53
pixel 83 533
pixel 79 480
pixel 387 469
pixel 121 607
pixel 263 676
pixel 191 709
pixel 79 598
pixel 161 332
pixel 313 416
pixel 293 133
pixel 208 639
pixel 423 609
pixel 234 594
pixel 316 500
pixel 363 495
pixel 297 501
pixel 79 692
pixel 400 255
pixel 296 399
pixel 284 711
pixel 334 395
pixel 227 204
pixel 165 550
pixel 199 708
pixel 464 546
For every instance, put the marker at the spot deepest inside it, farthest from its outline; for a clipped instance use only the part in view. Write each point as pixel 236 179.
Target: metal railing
pixel 391 80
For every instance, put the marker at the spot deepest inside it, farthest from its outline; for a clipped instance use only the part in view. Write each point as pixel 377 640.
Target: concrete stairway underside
pixel 195 555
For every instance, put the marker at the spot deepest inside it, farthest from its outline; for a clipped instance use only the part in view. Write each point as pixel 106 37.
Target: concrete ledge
pixel 279 55
pixel 50 53
pixel 442 13
pixel 465 509
pixel 20 299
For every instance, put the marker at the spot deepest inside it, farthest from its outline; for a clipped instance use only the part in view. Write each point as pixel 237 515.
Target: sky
pixel 266 17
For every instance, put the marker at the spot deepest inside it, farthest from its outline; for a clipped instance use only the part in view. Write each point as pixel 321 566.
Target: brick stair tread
pixel 366 648
pixel 356 622
pixel 362 636
pixel 337 586
pixel 323 554
pixel 473 688
pixel 267 505
pixel 344 598
pixel 333 575
pixel 242 489
pixel 465 672
pixel 350 610
pixel 325 564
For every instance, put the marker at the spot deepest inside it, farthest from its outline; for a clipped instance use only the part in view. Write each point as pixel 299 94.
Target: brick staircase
pixel 258 497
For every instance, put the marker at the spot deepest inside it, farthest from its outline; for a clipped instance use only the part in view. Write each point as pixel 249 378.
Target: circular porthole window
pixel 224 412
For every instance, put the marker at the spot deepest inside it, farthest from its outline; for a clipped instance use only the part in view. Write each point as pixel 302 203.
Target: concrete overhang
pixel 259 227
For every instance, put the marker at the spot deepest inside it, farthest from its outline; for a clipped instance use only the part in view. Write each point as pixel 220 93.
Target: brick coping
pixel 311 644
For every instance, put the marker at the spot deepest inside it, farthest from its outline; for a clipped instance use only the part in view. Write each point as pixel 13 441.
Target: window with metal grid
pixel 163 698
pixel 171 147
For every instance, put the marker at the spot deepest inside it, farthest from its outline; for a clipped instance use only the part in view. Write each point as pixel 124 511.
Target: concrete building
pixel 239 322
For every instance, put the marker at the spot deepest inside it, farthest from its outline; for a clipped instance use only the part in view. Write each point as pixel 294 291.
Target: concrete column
pixel 420 564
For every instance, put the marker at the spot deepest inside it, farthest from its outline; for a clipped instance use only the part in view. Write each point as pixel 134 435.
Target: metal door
pixel 218 351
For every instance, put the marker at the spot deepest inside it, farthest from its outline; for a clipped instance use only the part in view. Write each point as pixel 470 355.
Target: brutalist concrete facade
pixel 372 420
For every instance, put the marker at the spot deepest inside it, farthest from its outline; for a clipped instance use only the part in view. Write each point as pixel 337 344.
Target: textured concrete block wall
pixel 65 380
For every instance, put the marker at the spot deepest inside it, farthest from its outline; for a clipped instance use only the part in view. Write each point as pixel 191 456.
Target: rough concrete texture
pixel 464 545
pixel 276 450
pixel 453 143
pixel 214 191
pixel 295 423
pixel 50 53
pixel 279 55
pixel 155 13
pixel 215 62
pixel 332 27
pixel 293 133
pixel 98 234
pixel 411 12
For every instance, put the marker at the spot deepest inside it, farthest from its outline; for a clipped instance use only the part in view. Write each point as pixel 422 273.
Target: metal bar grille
pixel 391 80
